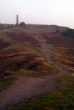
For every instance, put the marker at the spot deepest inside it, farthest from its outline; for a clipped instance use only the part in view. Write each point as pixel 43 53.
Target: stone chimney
pixel 17 22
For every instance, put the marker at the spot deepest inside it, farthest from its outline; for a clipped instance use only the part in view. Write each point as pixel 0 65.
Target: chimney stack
pixel 17 23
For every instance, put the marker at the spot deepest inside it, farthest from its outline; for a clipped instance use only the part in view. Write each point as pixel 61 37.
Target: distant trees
pixel 69 33
pixel 1 26
pixel 10 26
pixel 22 23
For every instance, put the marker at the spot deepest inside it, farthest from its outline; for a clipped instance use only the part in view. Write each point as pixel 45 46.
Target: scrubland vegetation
pixel 21 55
pixel 64 51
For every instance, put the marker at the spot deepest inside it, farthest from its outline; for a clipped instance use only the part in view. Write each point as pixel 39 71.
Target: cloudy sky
pixel 58 12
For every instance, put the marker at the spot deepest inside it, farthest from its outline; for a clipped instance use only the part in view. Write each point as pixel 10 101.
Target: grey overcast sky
pixel 58 12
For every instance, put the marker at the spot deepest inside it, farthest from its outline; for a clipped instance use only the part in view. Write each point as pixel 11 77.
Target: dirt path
pixel 25 88
pixel 47 51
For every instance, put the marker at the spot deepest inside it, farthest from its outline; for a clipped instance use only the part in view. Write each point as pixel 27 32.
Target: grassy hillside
pixel 20 52
pixel 65 58
pixel 63 49
pixel 26 52
pixel 18 55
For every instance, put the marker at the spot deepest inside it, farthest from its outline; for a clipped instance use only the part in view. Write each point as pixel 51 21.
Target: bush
pixel 22 24
pixel 69 33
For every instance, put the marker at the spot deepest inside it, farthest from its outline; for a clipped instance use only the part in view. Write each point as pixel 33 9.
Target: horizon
pixel 37 24
pixel 40 12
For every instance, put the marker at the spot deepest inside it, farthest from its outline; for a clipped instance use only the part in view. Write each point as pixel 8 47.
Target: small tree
pixel 22 23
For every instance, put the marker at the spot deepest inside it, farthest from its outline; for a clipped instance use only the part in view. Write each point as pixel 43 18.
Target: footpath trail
pixel 47 51
pixel 25 88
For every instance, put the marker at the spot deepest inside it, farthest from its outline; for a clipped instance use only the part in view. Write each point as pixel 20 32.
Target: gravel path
pixel 25 88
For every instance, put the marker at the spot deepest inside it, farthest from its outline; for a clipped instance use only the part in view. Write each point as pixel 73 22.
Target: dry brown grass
pixel 65 58
pixel 4 44
pixel 64 54
pixel 23 37
pixel 59 41
pixel 23 60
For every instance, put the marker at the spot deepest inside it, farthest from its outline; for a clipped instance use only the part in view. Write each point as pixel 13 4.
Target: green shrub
pixel 69 33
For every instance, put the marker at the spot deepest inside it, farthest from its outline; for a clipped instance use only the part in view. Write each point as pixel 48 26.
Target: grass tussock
pixel 23 61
